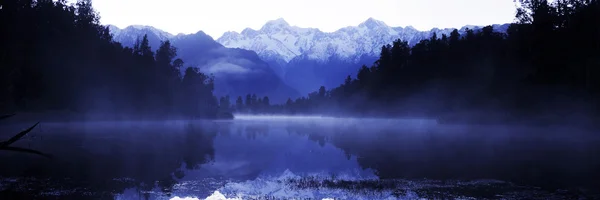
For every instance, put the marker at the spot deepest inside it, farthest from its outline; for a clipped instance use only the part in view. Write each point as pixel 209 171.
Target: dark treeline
pixel 250 104
pixel 548 59
pixel 57 57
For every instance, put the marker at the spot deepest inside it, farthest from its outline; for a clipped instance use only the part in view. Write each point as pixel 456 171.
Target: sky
pixel 216 17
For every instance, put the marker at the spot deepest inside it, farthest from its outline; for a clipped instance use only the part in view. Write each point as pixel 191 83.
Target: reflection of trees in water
pixel 198 146
pixel 161 160
pixel 404 153
pixel 239 130
pixel 322 134
pixel 313 131
pixel 93 158
pixel 224 128
pixel 250 130
pixel 254 130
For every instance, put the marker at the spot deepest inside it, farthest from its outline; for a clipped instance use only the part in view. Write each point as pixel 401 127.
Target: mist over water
pixel 494 112
pixel 315 157
pixel 338 121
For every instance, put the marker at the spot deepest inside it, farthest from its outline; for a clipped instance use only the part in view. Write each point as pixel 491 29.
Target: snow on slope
pixel 131 33
pixel 278 40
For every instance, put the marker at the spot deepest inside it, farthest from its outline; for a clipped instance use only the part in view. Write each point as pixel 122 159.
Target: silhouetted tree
pixel 239 103
pixel 248 100
pixel 480 68
pixel 266 101
pixel 224 103
pixel 56 56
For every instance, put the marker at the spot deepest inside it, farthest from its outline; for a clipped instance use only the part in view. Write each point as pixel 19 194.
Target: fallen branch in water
pixel 5 145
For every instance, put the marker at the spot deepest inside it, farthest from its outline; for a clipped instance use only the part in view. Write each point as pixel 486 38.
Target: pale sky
pixel 218 16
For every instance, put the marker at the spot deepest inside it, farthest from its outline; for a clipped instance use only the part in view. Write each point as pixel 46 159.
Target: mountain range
pixel 303 58
pixel 237 72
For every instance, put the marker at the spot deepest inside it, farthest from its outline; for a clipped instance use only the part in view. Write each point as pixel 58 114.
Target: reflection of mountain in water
pixel 101 159
pixel 255 149
pixel 303 158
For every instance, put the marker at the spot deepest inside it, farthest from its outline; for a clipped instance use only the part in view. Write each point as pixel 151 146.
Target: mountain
pixel 307 58
pixel 130 34
pixel 237 71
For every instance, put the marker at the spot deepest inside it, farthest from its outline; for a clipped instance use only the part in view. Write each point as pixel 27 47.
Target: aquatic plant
pixel 5 145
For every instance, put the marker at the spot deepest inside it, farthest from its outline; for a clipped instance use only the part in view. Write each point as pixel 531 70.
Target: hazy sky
pixel 218 16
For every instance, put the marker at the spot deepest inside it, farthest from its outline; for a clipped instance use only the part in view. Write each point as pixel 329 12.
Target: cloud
pixel 224 67
pixel 232 64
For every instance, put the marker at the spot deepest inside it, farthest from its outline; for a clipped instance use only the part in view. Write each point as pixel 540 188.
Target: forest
pixel 546 63
pixel 57 57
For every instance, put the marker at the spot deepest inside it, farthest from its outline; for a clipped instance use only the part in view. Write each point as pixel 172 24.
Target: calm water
pixel 312 158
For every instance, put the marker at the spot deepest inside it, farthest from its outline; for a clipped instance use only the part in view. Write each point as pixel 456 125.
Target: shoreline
pixel 443 118
pixel 66 117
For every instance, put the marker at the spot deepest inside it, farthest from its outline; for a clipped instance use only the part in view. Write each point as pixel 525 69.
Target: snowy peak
pixel 140 27
pixel 231 35
pixel 410 28
pixel 113 28
pixel 277 40
pixel 130 34
pixel 274 26
pixel 279 22
pixel 373 24
pixel 160 33
pixel 249 32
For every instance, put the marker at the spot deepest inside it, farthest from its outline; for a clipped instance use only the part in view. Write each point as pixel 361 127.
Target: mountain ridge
pixel 237 71
pixel 307 58
pixel 272 40
pixel 277 37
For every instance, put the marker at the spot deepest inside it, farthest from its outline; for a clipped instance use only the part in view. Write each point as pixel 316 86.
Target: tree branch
pixel 17 137
pixel 5 145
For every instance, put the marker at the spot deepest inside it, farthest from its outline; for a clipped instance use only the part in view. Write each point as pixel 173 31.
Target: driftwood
pixel 5 145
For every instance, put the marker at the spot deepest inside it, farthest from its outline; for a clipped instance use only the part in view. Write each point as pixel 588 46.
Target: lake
pixel 262 157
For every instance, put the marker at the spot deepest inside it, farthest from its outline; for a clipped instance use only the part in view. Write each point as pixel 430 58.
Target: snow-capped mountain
pixel 130 34
pixel 237 71
pixel 307 58
pixel 277 39
pixel 303 58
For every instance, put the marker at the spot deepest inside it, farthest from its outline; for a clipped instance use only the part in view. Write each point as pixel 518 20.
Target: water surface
pixel 308 157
